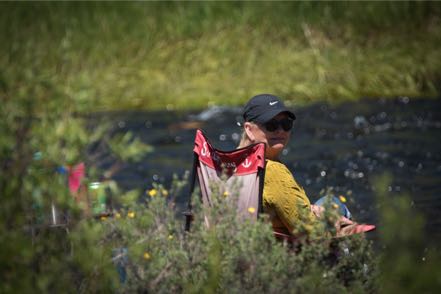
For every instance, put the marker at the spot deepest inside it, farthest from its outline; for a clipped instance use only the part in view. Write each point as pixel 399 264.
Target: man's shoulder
pixel 276 167
pixel 272 164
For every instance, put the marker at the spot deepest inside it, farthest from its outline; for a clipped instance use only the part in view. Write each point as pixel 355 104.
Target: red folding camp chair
pixel 240 169
pixel 244 169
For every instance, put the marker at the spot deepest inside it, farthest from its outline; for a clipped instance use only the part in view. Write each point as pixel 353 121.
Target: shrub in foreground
pixel 231 255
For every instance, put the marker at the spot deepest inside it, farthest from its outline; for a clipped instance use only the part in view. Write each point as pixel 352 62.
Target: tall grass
pixel 190 54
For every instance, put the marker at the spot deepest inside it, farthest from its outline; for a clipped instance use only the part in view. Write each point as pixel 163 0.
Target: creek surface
pixel 340 147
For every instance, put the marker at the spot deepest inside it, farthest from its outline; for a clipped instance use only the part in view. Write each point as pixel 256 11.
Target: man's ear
pixel 248 129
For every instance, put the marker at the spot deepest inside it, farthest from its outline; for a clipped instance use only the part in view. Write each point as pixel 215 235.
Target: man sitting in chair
pixel 267 120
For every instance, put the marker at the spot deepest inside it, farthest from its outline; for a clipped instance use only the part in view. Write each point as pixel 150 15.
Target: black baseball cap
pixel 263 107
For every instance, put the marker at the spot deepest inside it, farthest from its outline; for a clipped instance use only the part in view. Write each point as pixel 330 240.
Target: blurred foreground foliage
pixel 408 264
pixel 179 54
pixel 42 134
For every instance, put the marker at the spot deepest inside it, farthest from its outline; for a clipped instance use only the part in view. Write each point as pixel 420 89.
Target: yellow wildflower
pixel 164 193
pixel 251 209
pixel 146 256
pixel 103 218
pixel 153 192
pixel 226 194
pixel 117 215
pixel 342 198
pixel 131 214
pixel 170 237
pixel 335 205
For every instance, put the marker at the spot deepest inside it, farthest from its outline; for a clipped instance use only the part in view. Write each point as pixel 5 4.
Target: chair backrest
pixel 238 171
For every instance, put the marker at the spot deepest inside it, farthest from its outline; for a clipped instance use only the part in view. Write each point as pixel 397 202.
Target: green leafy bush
pixel 46 245
pixel 231 254
pixel 408 263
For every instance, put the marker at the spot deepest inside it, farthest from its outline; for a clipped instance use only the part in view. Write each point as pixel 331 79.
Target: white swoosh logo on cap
pixel 273 103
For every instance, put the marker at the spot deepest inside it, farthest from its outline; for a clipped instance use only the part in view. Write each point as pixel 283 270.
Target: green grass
pixel 181 55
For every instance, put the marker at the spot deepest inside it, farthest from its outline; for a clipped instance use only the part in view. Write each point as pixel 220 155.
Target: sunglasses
pixel 274 125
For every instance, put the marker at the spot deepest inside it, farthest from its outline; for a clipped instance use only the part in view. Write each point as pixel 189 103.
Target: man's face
pixel 275 141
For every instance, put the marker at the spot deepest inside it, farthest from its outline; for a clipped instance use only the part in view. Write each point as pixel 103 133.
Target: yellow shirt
pixel 283 198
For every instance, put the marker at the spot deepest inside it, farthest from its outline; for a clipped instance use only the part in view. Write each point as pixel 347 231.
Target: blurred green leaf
pixel 128 148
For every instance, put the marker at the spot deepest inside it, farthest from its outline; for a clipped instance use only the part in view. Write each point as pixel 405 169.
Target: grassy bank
pixel 188 55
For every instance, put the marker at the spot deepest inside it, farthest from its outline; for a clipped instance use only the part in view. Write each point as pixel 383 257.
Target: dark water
pixel 342 147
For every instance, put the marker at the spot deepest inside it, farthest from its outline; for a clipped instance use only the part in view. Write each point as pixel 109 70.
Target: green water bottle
pixel 98 197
